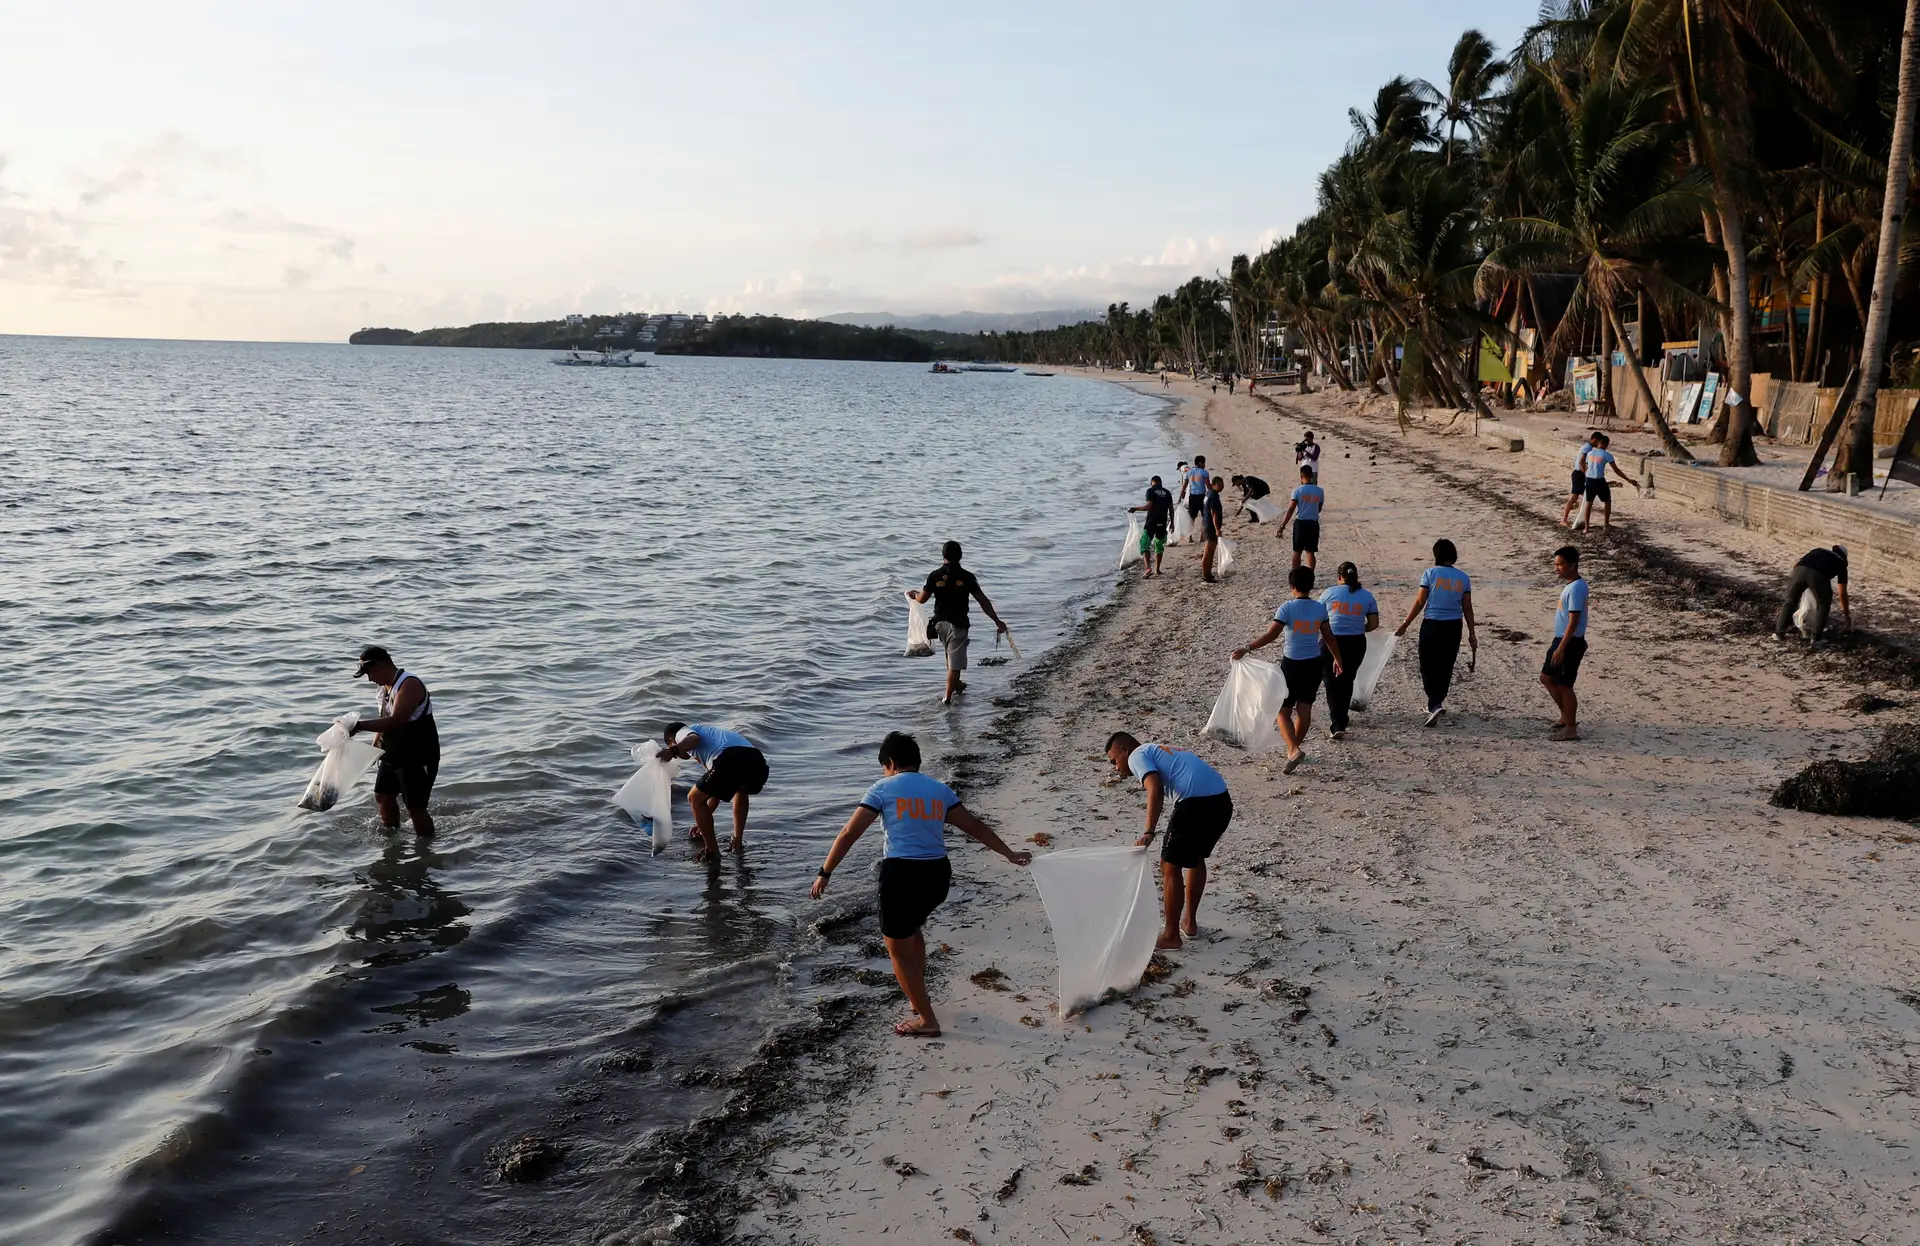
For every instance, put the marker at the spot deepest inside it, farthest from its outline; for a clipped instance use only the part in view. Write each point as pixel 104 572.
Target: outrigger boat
pixel 602 359
pixel 944 369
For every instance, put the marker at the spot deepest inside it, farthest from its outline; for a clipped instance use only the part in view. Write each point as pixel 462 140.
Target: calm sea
pixel 226 1020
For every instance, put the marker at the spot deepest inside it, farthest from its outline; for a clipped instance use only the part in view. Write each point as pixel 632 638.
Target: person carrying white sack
pixel 1153 539
pixel 1303 621
pixel 914 812
pixel 948 587
pixel 1352 612
pixel 736 771
pixel 408 738
pixel 1201 811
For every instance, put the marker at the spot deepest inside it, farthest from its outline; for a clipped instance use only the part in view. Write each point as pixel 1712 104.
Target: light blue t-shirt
pixel 1348 608
pixel 1183 774
pixel 1197 480
pixel 1580 456
pixel 1446 588
pixel 913 811
pixel 1573 597
pixel 1309 499
pixel 1597 460
pixel 1302 617
pixel 710 742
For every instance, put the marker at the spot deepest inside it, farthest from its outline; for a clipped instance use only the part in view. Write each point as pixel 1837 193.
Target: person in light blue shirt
pixel 1569 644
pixel 736 771
pixel 1201 811
pixel 1308 498
pixel 1599 459
pixel 1303 621
pixel 1352 612
pixel 914 812
pixel 1444 602
pixel 1579 488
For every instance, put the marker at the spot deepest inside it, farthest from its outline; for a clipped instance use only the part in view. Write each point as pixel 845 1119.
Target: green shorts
pixel 1152 542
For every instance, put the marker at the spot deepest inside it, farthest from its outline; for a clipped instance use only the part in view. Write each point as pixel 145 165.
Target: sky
pixel 296 172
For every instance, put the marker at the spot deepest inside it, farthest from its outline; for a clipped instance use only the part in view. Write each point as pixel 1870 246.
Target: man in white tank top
pixel 409 740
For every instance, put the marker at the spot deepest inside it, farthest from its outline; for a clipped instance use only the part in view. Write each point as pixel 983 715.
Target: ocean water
pixel 223 1019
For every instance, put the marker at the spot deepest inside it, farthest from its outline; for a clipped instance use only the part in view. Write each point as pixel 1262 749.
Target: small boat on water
pixel 602 359
pixel 944 369
pixel 1039 374
pixel 989 367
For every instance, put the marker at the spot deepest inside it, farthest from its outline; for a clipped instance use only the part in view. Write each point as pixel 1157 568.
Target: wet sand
pixel 1458 984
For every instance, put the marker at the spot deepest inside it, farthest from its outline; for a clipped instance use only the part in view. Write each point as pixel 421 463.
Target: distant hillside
pixel 972 322
pixel 776 337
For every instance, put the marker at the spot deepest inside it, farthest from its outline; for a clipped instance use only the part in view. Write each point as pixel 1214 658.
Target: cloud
pixel 861 241
pixel 942 238
pixel 154 165
pixel 266 222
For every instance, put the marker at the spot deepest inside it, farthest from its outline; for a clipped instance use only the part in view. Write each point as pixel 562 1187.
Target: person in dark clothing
pixel 1213 517
pixel 1252 489
pixel 1352 612
pixel 1443 604
pixel 1153 540
pixel 1816 573
pixel 949 587
pixel 408 738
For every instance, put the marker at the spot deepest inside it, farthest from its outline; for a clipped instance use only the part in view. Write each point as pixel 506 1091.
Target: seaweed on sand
pixel 1885 785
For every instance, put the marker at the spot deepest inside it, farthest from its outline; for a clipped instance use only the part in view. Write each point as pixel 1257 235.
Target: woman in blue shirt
pixel 1446 598
pixel 1352 612
pixel 1304 623
pixel 914 810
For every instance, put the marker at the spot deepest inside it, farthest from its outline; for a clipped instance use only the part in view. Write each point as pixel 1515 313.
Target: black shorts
pixel 734 771
pixel 1579 483
pixel 1569 669
pixel 1306 536
pixel 1599 490
pixel 910 890
pixel 1194 502
pixel 412 782
pixel 1196 826
pixel 1303 677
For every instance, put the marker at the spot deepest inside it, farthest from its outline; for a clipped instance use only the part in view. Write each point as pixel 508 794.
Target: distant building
pixel 576 320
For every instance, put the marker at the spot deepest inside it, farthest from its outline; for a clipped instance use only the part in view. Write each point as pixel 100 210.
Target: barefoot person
pixel 408 738
pixel 1308 498
pixel 1252 489
pixel 1153 537
pixel 1213 518
pixel 914 812
pixel 1352 612
pixel 1569 643
pixel 1817 573
pixel 1444 602
pixel 735 771
pixel 1599 459
pixel 1579 487
pixel 949 587
pixel 1201 811
pixel 1197 478
pixel 1303 621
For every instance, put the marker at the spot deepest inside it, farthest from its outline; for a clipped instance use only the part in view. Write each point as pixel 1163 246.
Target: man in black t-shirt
pixel 1816 574
pixel 1213 518
pixel 948 588
pixel 1153 541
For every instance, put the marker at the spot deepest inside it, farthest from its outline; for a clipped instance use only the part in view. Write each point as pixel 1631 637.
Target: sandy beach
pixel 1464 984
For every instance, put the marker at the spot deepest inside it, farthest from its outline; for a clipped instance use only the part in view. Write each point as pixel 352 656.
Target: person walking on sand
pixel 1197 479
pixel 1817 572
pixel 736 771
pixel 1352 612
pixel 1153 537
pixel 949 586
pixel 1599 459
pixel 409 742
pixel 1309 642
pixel 1307 500
pixel 1201 810
pixel 1444 602
pixel 914 812
pixel 1579 487
pixel 1569 644
pixel 1213 517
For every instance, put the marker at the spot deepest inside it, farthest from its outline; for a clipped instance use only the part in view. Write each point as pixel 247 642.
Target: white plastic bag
pixel 1263 510
pixel 1130 552
pixel 1244 712
pixel 919 645
pixel 1182 523
pixel 1803 617
pixel 1379 653
pixel 346 759
pixel 1226 557
pixel 1105 914
pixel 648 795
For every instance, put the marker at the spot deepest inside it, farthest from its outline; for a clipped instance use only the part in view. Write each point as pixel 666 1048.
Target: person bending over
pixel 1352 612
pixel 409 741
pixel 735 772
pixel 1252 489
pixel 1308 499
pixel 1444 601
pixel 948 587
pixel 1201 811
pixel 914 812
pixel 1817 572
pixel 1309 640
pixel 1569 644
pixel 1153 537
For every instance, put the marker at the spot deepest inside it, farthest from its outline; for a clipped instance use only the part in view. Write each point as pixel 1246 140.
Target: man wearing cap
pixel 1816 574
pixel 408 739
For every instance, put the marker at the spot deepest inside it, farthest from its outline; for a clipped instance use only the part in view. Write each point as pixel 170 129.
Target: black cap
pixel 369 656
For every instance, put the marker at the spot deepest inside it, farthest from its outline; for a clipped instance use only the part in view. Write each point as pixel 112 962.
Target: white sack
pixel 918 625
pixel 346 759
pixel 648 795
pixel 1182 522
pixel 1264 510
pixel 1130 552
pixel 1245 711
pixel 1803 617
pixel 1380 647
pixel 1105 914
pixel 1226 557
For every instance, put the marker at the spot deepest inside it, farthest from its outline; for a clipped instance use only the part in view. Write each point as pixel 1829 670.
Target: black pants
pixel 1340 687
pixel 1439 646
pixel 1806 580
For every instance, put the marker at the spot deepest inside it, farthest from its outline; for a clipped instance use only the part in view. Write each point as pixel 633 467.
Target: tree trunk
pixel 1670 443
pixel 1603 407
pixel 1817 314
pixel 1793 344
pixel 1738 450
pixel 1856 454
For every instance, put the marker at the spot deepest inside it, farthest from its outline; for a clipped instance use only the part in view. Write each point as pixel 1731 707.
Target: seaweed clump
pixel 1885 785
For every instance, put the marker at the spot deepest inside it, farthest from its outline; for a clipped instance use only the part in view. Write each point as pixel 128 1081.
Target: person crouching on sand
pixel 1446 598
pixel 914 812
pixel 1201 811
pixel 736 771
pixel 1309 640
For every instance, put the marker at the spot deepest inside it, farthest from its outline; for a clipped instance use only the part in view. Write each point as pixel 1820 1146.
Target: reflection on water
pixel 405 913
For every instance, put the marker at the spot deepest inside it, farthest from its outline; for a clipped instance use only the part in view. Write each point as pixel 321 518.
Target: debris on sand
pixel 532 1158
pixel 1868 703
pixel 1009 1187
pixel 992 978
pixel 1086 1175
pixel 1886 785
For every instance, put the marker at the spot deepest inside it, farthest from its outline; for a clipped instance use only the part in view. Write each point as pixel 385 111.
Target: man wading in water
pixel 948 588
pixel 408 739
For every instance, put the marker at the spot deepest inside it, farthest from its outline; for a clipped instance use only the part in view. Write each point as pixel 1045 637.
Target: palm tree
pixel 1473 71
